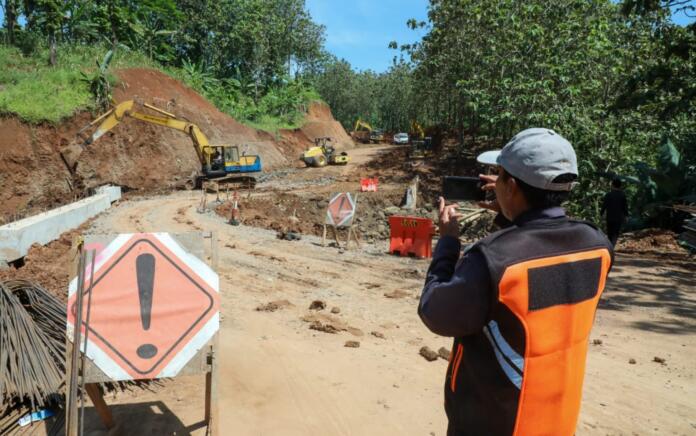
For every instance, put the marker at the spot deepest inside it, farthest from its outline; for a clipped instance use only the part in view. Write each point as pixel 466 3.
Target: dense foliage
pixel 615 79
pixel 247 55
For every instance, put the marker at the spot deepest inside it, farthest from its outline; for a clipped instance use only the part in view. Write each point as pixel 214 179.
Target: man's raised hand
pixel 449 219
pixel 489 185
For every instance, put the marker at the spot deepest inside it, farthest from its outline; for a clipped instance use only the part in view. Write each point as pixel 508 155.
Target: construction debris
pixel 660 360
pixel 688 236
pixel 289 236
pixel 317 305
pixel 444 353
pixel 273 306
pixel 428 354
pixel 326 328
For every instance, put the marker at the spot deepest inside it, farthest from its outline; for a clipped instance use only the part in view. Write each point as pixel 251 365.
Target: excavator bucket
pixel 71 155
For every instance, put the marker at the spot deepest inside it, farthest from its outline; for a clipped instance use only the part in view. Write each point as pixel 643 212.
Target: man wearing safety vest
pixel 520 303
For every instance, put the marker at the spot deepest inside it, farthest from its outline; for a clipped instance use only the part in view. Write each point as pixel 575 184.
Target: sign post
pixel 153 313
pixel 340 213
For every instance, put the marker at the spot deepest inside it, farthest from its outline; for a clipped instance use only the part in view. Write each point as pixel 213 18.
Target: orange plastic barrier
pixel 411 236
pixel 368 185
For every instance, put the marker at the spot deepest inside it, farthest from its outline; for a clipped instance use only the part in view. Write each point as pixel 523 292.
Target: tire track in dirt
pixel 292 373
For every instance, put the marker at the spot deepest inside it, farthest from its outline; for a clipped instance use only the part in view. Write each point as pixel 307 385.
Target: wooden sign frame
pixel 205 361
pixel 352 233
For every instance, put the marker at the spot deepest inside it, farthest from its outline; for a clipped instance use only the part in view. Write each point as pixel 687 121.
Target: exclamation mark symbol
pixel 145 271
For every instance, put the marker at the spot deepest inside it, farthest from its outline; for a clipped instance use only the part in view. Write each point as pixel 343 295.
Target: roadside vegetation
pixel 249 57
pixel 37 92
pixel 618 79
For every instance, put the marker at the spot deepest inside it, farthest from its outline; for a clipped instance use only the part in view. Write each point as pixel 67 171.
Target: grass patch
pixel 37 92
pixel 272 124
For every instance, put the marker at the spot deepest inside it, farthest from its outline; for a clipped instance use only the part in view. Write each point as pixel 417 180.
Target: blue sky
pixel 681 18
pixel 360 30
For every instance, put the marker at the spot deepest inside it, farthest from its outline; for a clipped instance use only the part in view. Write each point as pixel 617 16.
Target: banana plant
pixel 671 181
pixel 99 84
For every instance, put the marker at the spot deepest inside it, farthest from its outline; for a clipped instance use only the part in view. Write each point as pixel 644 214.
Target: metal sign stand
pixel 89 375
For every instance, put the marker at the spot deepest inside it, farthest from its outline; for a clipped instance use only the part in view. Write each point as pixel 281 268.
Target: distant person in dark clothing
pixel 616 208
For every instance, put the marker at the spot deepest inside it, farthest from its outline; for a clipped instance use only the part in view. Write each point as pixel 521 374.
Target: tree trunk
pixel 29 7
pixel 113 20
pixel 10 19
pixel 52 58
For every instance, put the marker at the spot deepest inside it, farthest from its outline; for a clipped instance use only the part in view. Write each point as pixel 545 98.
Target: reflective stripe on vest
pixel 510 361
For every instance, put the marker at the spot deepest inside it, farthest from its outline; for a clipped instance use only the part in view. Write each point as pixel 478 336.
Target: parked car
pixel 401 138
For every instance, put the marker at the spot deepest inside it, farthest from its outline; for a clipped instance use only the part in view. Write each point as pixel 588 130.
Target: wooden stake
pixel 214 257
pixel 71 426
pixel 99 404
pixel 335 232
pixel 211 387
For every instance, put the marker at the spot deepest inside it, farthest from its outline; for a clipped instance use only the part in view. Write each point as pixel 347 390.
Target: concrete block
pixel 18 236
pixel 114 192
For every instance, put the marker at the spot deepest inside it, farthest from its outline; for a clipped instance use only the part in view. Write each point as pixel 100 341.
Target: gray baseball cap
pixel 536 156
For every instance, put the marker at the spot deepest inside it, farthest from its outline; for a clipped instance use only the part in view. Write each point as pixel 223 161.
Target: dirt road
pixel 278 376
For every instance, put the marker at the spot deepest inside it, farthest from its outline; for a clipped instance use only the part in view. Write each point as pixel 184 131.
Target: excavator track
pixel 231 182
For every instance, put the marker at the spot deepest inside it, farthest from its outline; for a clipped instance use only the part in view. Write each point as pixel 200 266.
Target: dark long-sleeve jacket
pixel 457 295
pixel 615 205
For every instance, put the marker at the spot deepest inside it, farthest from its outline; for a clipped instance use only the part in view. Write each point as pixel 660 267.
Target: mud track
pixel 278 376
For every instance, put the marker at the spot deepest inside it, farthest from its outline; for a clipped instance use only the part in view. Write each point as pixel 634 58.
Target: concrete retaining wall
pixel 113 192
pixel 17 237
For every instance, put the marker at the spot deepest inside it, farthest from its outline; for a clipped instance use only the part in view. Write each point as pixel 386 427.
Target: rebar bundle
pixel 32 344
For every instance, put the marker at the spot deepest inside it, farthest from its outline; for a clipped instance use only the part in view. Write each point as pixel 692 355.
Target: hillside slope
pixel 135 155
pixel 319 122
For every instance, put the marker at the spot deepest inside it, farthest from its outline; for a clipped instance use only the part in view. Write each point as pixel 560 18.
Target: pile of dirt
pixel 287 212
pixel 652 242
pixel 396 166
pixel 319 122
pixel 304 214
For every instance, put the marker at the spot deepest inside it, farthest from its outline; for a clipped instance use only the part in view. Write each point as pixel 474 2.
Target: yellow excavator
pixel 421 145
pixel 221 163
pixel 417 131
pixel 323 153
pixel 362 131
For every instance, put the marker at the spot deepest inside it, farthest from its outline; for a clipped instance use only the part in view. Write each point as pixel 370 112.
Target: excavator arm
pixel 417 130
pixel 362 125
pixel 113 117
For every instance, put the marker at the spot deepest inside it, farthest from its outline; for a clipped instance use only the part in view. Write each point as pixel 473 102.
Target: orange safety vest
pixel 523 373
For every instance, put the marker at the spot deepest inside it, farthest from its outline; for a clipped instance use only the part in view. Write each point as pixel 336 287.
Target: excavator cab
pixel 217 160
pixel 421 149
pixel 236 163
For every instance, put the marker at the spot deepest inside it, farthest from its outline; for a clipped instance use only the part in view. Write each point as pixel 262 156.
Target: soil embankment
pixel 135 155
pixel 319 122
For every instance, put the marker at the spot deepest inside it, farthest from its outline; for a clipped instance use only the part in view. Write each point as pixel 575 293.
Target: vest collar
pixel 535 214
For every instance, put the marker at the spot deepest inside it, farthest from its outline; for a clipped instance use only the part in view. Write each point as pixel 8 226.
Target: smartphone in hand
pixel 456 188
